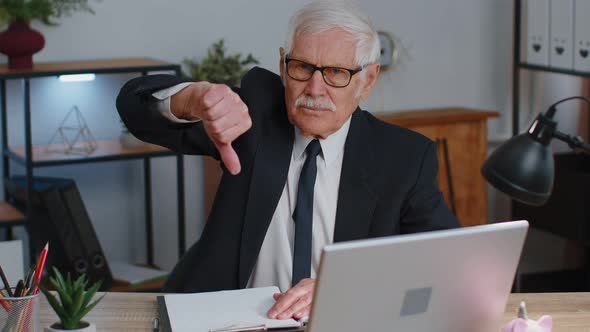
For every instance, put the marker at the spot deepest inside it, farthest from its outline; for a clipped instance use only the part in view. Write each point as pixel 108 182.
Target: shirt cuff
pixel 163 102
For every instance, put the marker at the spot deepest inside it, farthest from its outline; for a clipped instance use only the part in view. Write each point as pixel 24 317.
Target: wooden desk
pixel 136 311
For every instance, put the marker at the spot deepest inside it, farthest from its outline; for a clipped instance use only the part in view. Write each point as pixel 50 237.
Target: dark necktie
pixel 303 215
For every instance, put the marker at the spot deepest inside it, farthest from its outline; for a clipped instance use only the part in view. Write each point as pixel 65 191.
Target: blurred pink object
pixel 523 324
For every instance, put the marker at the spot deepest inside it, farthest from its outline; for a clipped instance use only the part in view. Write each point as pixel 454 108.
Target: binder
pixel 58 215
pixel 562 31
pixel 582 36
pixel 537 32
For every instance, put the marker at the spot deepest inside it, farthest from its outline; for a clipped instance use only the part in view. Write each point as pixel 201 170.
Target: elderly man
pixel 304 166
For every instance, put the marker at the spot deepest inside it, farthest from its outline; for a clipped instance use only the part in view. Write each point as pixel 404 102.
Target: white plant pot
pixel 90 328
pixel 129 141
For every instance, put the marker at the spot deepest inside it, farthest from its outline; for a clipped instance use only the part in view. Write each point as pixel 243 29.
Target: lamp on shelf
pixel 523 167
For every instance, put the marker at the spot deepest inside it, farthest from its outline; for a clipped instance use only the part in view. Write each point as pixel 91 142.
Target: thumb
pixel 229 157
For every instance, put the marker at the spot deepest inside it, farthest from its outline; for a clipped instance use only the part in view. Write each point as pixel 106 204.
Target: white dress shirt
pixel 275 260
pixel 163 103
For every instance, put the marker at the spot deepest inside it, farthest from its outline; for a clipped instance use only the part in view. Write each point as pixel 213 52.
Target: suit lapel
pixel 356 199
pixel 269 175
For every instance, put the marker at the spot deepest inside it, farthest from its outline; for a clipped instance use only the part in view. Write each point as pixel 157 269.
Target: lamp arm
pixel 574 142
pixel 551 110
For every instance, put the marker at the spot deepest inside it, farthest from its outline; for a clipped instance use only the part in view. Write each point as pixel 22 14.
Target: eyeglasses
pixel 333 76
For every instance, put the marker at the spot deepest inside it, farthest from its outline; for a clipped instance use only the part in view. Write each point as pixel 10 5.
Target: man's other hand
pixel 294 303
pixel 225 116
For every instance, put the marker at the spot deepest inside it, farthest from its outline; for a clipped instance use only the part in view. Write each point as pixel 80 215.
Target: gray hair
pixel 321 16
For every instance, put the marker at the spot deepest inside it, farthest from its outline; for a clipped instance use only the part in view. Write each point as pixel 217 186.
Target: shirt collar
pixel 332 146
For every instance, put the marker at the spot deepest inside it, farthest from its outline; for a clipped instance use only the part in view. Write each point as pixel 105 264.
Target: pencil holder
pixel 19 314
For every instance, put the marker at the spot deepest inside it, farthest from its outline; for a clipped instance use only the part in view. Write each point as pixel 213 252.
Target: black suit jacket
pixel 387 186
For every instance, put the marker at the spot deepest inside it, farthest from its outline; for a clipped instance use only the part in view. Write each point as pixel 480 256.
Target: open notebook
pixel 223 311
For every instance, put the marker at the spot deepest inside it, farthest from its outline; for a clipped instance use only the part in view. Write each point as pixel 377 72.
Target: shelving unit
pixel 32 156
pixel 555 211
pixel 519 64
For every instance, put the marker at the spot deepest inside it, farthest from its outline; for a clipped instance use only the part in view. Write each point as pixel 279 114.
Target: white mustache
pixel 310 102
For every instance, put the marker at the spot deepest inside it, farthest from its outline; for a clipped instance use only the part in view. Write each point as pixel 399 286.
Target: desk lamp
pixel 523 166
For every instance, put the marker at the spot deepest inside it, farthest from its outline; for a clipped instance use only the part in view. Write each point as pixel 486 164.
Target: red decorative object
pixel 19 43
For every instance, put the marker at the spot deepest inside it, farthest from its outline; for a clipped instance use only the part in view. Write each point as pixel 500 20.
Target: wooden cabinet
pixel 461 137
pixel 464 134
pixel 9 217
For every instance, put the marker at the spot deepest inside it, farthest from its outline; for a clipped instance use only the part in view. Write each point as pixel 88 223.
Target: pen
pixel 5 281
pixel 156 325
pixel 20 286
pixel 4 304
pixel 28 282
pixel 239 328
pixel 31 290
pixel 29 277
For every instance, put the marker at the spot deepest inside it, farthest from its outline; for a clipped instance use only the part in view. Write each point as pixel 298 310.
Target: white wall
pixel 454 53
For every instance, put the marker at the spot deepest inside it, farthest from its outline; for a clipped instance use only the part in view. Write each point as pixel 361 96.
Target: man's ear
pixel 282 63
pixel 371 74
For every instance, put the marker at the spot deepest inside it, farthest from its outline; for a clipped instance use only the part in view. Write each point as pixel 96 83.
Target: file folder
pixel 562 32
pixel 582 36
pixel 536 27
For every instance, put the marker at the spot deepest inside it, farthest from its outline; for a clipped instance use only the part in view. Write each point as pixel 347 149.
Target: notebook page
pixel 200 312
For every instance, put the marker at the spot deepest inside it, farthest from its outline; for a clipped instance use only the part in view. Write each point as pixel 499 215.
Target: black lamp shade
pixel 522 168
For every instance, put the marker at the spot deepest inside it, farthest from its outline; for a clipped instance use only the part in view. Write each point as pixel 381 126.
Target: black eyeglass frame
pixel 321 69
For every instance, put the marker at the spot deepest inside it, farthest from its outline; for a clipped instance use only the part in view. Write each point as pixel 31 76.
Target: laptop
pixel 451 280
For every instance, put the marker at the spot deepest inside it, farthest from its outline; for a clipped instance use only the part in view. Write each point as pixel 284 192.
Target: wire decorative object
pixel 73 136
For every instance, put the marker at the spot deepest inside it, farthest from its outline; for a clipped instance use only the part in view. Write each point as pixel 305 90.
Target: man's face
pixel 334 48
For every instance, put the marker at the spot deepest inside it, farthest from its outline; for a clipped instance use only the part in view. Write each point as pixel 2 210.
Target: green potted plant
pixel 20 42
pixel 217 67
pixel 72 302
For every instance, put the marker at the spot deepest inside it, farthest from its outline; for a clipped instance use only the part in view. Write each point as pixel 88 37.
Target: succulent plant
pixel 74 298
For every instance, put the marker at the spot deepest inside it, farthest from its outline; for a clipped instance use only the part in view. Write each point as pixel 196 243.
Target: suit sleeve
pixel 425 208
pixel 137 109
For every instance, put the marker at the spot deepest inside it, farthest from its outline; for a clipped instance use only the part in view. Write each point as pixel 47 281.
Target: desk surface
pixel 136 311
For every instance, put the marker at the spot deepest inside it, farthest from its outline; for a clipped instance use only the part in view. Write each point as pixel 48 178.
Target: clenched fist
pixel 224 115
